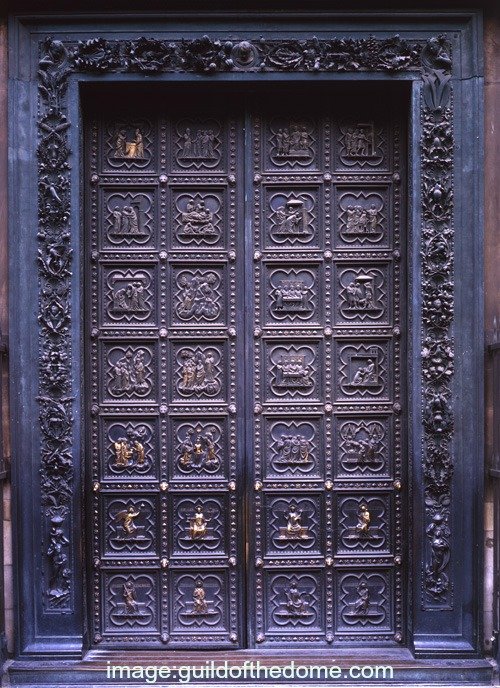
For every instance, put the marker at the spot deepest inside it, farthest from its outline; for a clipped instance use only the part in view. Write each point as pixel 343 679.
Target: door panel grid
pixel 211 320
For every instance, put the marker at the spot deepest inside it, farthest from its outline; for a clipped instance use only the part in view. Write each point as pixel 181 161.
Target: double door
pixel 245 372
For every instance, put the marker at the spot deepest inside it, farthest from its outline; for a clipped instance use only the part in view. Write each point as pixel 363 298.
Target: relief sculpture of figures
pixel 363 609
pixel 128 610
pixel 363 532
pixel 197 220
pixel 361 221
pixel 360 293
pixel 198 298
pixel 129 373
pixel 293 372
pixel 365 375
pixel 130 600
pixel 291 296
pixel 296 603
pixel 126 220
pixel 199 145
pixel 294 530
pixel 129 148
pixel 293 142
pixel 362 604
pixel 198 524
pixel 198 450
pixel 198 372
pixel 438 533
pixel 200 606
pixel 58 542
pixel 360 141
pixel 291 219
pixel 293 449
pixel 362 445
pixel 130 298
pixel 363 524
pixel 129 451
pixel 126 517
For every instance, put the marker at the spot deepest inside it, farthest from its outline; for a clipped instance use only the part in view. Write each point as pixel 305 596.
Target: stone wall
pixel 4 324
pixel 492 265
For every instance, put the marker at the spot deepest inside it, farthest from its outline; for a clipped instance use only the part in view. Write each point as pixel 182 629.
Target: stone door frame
pixel 53 59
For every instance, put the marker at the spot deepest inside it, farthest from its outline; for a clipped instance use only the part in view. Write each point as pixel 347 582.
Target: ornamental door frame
pixel 51 63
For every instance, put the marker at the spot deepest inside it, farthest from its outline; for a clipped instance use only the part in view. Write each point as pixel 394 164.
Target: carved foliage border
pixel 204 55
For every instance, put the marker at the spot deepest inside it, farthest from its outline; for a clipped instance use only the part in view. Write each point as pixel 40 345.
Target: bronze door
pixel 244 367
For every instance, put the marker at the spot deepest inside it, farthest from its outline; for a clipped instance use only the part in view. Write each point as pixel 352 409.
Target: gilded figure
pixel 294 530
pixel 127 518
pixel 364 519
pixel 200 605
pixel 198 524
pixel 131 606
pixel 198 450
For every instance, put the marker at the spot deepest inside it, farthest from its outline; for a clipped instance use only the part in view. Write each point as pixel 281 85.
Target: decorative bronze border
pixel 206 56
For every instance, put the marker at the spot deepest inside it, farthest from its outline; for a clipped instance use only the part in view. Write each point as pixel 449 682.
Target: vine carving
pixel 437 319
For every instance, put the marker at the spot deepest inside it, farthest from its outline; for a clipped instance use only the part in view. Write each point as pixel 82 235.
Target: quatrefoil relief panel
pixel 129 296
pixel 131 601
pixel 198 217
pixel 128 218
pixel 128 146
pixel 363 446
pixel 129 447
pixel 199 371
pixel 360 145
pixel 364 601
pixel 291 144
pixel 293 525
pixel 364 371
pixel 295 602
pixel 198 601
pixel 199 144
pixel 294 447
pixel 294 294
pixel 198 525
pixel 293 370
pixel 291 216
pixel 362 217
pixel 364 523
pixel 199 294
pixel 130 372
pixel 200 447
pixel 130 525
pixel 363 294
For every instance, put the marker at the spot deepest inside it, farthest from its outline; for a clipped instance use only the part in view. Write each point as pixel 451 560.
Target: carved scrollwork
pixel 96 55
pixel 148 55
pixel 206 55
pixel 437 318
pixel 54 317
